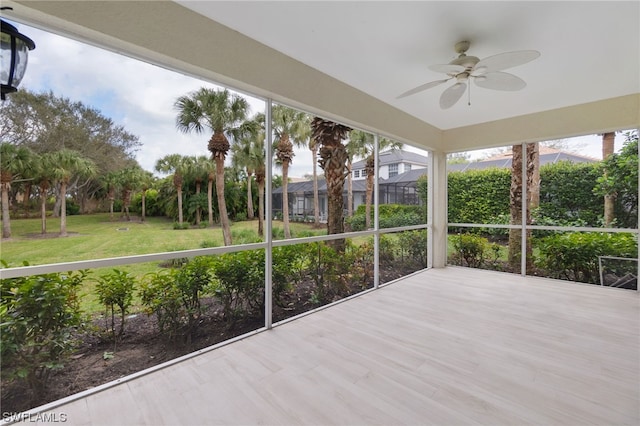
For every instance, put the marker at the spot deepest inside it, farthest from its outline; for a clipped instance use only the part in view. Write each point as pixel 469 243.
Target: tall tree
pixel 67 163
pixel 129 180
pixel 333 160
pixel 146 182
pixel 515 202
pixel 15 161
pixel 201 168
pixel 44 177
pixel 608 147
pixel 177 165
pixel 45 122
pixel 110 182
pixel 313 146
pixel 291 128
pixel 223 113
pixel 362 144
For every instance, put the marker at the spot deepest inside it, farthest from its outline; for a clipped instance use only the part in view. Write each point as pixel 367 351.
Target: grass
pixel 96 236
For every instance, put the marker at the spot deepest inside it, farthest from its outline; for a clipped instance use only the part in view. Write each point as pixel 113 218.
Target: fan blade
pixel 423 87
pixel 452 95
pixel 448 69
pixel 500 81
pixel 502 61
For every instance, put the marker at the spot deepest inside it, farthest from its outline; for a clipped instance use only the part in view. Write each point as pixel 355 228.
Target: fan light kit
pixel 486 73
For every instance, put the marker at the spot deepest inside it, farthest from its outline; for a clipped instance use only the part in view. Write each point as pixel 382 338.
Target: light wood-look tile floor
pixel 447 346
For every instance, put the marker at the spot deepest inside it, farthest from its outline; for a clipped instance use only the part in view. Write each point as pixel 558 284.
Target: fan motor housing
pixel 466 61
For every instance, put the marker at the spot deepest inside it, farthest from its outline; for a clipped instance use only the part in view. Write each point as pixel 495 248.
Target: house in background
pixel 394 187
pixel 391 163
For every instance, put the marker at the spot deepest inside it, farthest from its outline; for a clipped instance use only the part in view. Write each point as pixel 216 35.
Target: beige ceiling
pixel 350 60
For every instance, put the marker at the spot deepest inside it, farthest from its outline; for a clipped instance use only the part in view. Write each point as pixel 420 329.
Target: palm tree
pixel 333 160
pixel 110 183
pixel 178 165
pixel 241 161
pixel 43 177
pixel 608 147
pixel 201 168
pixel 362 144
pixel 129 179
pixel 224 114
pixel 146 182
pixel 515 202
pixel 67 163
pixel 249 152
pixel 14 162
pixel 313 146
pixel 291 127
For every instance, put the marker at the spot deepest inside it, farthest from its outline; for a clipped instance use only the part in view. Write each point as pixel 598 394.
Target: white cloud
pixel 134 94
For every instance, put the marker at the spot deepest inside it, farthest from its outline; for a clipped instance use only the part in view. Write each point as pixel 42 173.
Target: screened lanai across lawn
pixel 351 72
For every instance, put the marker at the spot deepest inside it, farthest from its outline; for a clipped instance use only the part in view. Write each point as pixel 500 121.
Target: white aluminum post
pixel 268 258
pixel 376 201
pixel 430 175
pixel 525 205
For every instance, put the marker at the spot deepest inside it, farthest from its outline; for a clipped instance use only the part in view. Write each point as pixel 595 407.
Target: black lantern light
pixel 14 50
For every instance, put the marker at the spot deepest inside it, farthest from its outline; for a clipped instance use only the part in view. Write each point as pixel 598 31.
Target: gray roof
pixel 553 157
pixel 307 186
pixel 411 177
pixel 394 156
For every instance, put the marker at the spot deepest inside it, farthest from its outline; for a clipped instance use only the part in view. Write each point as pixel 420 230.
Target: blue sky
pixel 140 97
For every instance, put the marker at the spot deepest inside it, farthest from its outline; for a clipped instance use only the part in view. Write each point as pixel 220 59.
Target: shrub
pixel 390 216
pixel 470 250
pixel 240 282
pixel 174 295
pixel 38 317
pixel 413 246
pixel 116 289
pixel 574 255
pixel 183 225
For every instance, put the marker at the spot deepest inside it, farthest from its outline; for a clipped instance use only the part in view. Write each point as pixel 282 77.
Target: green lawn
pixel 95 237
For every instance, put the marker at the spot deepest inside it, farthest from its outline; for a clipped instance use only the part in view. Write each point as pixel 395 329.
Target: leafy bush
pixel 183 225
pixel 413 246
pixel 478 196
pixel 116 289
pixel 574 256
pixel 470 250
pixel 173 295
pixel 390 216
pixel 331 270
pixel 240 282
pixel 38 317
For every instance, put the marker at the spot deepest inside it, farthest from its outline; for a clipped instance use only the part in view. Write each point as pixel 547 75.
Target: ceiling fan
pixel 486 73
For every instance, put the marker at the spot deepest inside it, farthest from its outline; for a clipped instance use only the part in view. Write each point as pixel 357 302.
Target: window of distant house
pixel 407 168
pixel 393 169
pixel 364 173
pixel 356 173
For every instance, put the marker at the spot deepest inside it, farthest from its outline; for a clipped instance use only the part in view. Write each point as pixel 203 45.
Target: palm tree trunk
pixel 285 199
pixel 316 202
pixel 143 212
pixel 222 205
pixel 63 209
pixel 6 223
pixel 210 199
pixel 43 211
pixel 27 197
pixel 180 217
pixel 198 209
pixel 608 144
pixel 334 159
pixel 250 212
pixel 260 181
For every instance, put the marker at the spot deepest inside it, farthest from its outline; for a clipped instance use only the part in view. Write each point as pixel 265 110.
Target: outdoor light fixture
pixel 14 50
